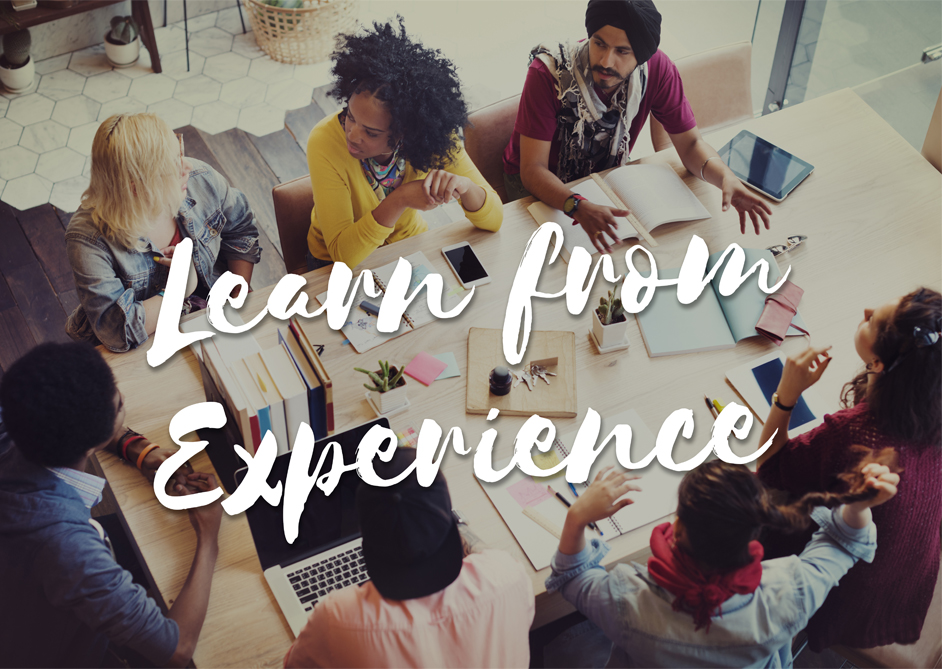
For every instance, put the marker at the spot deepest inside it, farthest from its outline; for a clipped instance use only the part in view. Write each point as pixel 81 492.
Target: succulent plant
pixel 16 47
pixel 610 309
pixel 385 379
pixel 124 29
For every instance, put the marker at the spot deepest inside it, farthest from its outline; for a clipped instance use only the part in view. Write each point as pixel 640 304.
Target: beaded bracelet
pixel 127 442
pixel 147 449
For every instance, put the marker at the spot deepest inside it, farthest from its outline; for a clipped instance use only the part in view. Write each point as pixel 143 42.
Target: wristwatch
pixel 571 206
pixel 779 404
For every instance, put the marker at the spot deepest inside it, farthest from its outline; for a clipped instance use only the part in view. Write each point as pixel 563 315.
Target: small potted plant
pixel 610 322
pixel 122 44
pixel 388 391
pixel 17 70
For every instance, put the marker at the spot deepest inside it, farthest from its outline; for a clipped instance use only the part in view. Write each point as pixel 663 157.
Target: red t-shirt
pixel 539 105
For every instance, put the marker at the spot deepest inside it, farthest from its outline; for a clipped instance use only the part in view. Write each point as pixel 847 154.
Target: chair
pixel 486 136
pixel 294 201
pixel 718 86
pixel 932 149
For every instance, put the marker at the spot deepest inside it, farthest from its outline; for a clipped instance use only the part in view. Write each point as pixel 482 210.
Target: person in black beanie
pixel 435 598
pixel 583 106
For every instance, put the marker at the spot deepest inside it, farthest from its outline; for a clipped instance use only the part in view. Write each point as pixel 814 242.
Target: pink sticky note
pixel 528 493
pixel 425 368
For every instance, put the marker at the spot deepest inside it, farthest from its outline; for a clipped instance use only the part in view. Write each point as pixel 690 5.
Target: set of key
pixel 530 374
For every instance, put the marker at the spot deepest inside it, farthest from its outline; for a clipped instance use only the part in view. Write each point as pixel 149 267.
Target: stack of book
pixel 273 390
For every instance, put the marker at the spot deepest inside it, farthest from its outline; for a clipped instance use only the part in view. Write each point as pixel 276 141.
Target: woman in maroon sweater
pixel 895 402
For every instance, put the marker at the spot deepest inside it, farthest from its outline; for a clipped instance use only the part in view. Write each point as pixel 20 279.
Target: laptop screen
pixel 325 522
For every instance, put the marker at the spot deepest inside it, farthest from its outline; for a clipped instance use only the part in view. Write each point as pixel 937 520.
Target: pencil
pixel 710 406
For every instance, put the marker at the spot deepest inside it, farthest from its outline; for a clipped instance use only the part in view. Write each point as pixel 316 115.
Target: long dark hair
pixel 418 85
pixel 905 400
pixel 723 507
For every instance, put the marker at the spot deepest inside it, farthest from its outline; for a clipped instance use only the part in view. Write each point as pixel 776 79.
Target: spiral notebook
pixel 535 516
pixel 361 328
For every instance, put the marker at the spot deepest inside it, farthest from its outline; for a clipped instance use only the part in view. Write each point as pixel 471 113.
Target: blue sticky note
pixel 767 376
pixel 452 368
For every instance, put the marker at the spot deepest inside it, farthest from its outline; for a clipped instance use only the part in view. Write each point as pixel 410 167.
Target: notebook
pixel 713 321
pixel 361 328
pixel 755 382
pixel 654 193
pixel 520 498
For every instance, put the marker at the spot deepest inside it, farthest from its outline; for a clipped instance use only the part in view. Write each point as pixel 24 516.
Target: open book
pixel 361 328
pixel 654 193
pixel 535 515
pixel 713 321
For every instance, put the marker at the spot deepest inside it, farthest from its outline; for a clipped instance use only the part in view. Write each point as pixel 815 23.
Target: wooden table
pixel 872 212
pixel 140 10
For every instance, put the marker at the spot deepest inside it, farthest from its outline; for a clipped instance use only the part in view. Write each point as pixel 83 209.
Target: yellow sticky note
pixel 546 460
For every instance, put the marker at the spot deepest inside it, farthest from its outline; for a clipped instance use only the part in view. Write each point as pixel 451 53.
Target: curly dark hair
pixel 418 85
pixel 58 402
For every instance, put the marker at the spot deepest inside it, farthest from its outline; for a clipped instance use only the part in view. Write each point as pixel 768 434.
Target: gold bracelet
pixel 704 166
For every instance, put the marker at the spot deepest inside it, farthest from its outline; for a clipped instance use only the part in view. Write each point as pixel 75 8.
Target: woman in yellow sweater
pixel 392 152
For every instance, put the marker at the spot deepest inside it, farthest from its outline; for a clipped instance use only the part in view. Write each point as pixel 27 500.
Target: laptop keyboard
pixel 314 581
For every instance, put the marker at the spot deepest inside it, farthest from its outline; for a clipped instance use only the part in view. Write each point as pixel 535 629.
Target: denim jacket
pixel 112 281
pixel 753 630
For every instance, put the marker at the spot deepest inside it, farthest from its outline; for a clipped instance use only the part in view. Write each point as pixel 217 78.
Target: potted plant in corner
pixel 610 322
pixel 17 70
pixel 388 391
pixel 122 44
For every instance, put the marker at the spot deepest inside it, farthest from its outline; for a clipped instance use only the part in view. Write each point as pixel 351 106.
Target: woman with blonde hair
pixel 144 198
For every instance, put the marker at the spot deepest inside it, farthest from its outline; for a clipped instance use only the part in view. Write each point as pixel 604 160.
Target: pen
pixel 710 406
pixel 575 494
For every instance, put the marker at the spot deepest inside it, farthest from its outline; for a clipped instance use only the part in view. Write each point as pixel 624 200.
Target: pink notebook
pixel 424 368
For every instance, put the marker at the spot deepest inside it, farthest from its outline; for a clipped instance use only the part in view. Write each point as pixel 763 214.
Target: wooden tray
pixel 557 400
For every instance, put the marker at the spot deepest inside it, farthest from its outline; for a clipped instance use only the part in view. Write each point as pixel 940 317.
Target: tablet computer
pixel 763 166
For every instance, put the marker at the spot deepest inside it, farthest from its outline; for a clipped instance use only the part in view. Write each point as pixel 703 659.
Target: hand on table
pixel 442 186
pixel 192 280
pixel 801 372
pixel 205 519
pixel 414 196
pixel 152 462
pixel 605 497
pixel 599 222
pixel 746 202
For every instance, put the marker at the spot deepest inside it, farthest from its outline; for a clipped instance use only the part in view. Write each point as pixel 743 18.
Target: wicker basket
pixel 304 35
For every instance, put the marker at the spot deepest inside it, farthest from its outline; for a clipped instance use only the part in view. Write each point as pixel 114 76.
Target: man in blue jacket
pixel 65 597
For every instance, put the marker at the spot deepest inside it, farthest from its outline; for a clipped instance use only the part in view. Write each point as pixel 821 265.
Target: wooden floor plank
pixel 249 172
pixel 300 122
pixel 42 227
pixel 195 147
pixel 64 217
pixel 15 250
pixel 15 337
pixel 69 301
pixel 6 297
pixel 38 302
pixel 282 153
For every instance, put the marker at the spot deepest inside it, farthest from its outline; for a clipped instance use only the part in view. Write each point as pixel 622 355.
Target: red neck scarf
pixel 697 592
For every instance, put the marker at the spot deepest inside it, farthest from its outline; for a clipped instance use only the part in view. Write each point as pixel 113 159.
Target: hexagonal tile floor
pixel 46 132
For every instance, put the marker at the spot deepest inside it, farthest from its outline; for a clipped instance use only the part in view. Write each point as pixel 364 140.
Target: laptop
pixel 327 554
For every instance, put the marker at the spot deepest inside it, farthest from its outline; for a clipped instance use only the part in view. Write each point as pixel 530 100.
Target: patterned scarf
pixel 593 136
pixel 698 593
pixel 383 179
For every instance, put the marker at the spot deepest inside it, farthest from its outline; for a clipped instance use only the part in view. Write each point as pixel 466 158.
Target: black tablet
pixel 763 166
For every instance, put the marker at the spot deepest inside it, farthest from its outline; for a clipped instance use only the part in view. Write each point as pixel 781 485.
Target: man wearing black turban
pixel 583 106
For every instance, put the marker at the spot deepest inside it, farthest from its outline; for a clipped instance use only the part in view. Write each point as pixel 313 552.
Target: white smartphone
pixel 466 265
